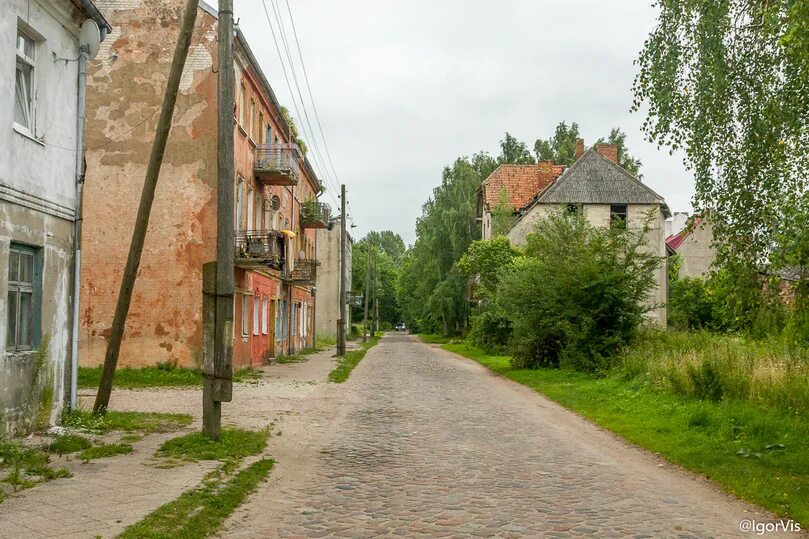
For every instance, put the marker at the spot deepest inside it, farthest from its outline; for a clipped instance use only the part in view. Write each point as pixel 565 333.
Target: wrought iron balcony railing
pixel 259 249
pixel 277 164
pixel 315 214
pixel 304 272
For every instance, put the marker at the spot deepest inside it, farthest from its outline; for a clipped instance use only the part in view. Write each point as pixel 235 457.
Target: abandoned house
pixel 605 193
pixel 40 173
pixel 693 245
pixel 276 208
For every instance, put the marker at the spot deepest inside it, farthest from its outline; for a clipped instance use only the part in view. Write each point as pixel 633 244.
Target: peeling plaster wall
pixel 126 83
pixel 37 200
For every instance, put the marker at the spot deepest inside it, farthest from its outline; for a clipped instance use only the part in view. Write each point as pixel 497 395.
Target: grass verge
pixel 232 444
pixel 432 338
pixel 347 363
pixel 126 421
pixel 757 453
pixel 161 375
pixel 200 512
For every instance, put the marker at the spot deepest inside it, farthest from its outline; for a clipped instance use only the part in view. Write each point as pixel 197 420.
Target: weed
pixel 125 421
pixel 105 450
pixel 68 443
pixel 347 363
pixel 232 444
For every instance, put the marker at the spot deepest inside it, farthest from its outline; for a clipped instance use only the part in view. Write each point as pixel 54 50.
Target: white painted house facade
pixel 40 165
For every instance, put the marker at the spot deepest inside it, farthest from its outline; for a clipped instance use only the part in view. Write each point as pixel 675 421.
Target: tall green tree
pixel 514 151
pixel 625 159
pixel 727 81
pixel 384 247
pixel 561 147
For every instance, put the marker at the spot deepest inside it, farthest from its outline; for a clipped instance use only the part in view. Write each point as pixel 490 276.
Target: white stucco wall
pixel 696 252
pixel 37 187
pixel 327 302
pixel 599 215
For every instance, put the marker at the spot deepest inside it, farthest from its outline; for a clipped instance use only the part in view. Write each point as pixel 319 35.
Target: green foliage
pixel 387 250
pixel 351 359
pixel 68 443
pixel 233 443
pixel 728 83
pixel 579 295
pixel 514 151
pixel 758 453
pixel 24 467
pixel 125 421
pixel 431 338
pixel 163 374
pixel 293 129
pixel 689 305
pixel 503 215
pixel 200 512
pixel 561 147
pixel 486 260
pixel 104 451
pixel 625 159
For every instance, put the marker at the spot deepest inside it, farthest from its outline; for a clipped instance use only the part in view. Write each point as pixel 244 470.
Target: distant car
pixel 400 327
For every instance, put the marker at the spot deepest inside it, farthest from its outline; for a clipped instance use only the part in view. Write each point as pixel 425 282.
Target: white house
pixel 41 157
pixel 606 194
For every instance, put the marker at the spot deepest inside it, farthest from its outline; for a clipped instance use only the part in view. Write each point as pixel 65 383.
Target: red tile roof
pixel 523 182
pixel 675 240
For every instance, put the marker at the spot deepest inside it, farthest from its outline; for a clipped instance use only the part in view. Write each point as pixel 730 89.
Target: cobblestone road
pixel 422 442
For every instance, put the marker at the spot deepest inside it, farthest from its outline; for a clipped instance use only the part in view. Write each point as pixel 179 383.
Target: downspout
pixel 77 225
pixel 289 286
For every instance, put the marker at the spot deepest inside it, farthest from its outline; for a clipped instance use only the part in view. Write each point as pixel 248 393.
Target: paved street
pixel 420 441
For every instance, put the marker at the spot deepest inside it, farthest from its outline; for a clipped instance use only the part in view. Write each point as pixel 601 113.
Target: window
pixel 22 320
pixel 250 213
pixel 255 315
pixel 245 315
pixel 618 216
pixel 261 128
pixel 243 106
pixel 268 138
pixel 295 307
pixel 24 81
pixel 573 209
pixel 251 130
pixel 265 313
pixel 279 307
pixel 239 213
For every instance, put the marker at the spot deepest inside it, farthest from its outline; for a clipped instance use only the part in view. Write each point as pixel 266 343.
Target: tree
pixel 625 159
pixel 389 242
pixel 728 83
pixel 503 217
pixel 561 147
pixel 387 267
pixel 514 151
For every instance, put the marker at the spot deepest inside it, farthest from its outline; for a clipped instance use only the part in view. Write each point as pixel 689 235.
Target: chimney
pixel 579 149
pixel 610 151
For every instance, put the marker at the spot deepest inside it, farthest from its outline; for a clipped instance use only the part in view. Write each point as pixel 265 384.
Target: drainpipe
pixel 289 286
pixel 74 348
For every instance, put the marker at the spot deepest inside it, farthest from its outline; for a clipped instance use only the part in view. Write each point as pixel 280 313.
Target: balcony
pixel 277 164
pixel 304 272
pixel 259 249
pixel 315 214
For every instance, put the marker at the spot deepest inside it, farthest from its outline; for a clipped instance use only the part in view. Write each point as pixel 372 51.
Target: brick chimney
pixel 579 149
pixel 610 151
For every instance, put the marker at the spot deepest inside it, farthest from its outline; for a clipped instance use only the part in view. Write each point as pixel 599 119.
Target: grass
pixel 200 512
pixel 160 375
pixel 25 467
pixel 347 363
pixel 321 343
pixel 432 338
pixel 232 444
pixel 759 453
pixel 105 450
pixel 64 444
pixel 147 422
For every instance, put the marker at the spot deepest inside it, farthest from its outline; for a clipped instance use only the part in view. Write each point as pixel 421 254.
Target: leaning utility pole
pixel 144 209
pixel 218 278
pixel 341 322
pixel 367 292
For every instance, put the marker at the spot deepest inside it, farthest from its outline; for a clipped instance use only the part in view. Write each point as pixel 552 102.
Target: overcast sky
pixel 403 88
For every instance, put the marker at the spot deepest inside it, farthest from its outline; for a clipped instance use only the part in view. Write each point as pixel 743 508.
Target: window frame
pixel 252 121
pixel 30 62
pixel 33 288
pixel 243 106
pixel 617 216
pixel 245 315
pixel 265 315
pixel 256 315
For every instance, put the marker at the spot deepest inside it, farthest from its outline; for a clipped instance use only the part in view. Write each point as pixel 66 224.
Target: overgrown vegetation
pixel 105 450
pixel 148 422
pixel 233 443
pixel 754 443
pixel 24 467
pixel 200 512
pixel 64 444
pixel 165 374
pixel 347 363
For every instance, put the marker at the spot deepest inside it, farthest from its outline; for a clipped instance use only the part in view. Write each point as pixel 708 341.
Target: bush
pixel 490 330
pixel 579 295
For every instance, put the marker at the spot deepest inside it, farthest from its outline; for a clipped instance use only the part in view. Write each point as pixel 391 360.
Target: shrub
pixel 578 295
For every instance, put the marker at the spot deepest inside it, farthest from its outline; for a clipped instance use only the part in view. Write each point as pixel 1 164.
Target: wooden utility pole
pixel 341 321
pixel 218 277
pixel 367 292
pixel 144 209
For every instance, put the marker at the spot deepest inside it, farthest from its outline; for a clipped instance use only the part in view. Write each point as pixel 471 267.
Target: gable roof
pixel 594 179
pixel 522 182
pixel 675 240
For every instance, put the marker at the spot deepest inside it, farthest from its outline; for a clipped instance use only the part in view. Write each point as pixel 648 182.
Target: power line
pixel 316 154
pixel 309 89
pixel 286 77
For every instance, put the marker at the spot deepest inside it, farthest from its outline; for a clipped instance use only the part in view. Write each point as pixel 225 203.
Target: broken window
pixel 23 300
pixel 24 81
pixel 573 209
pixel 618 216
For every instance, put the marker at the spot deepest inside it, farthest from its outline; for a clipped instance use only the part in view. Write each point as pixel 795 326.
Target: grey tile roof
pixel 594 179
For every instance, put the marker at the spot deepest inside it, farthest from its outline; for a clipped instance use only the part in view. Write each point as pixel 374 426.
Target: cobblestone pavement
pixel 420 442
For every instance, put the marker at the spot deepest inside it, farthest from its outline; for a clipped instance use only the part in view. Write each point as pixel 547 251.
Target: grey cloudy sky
pixel 404 87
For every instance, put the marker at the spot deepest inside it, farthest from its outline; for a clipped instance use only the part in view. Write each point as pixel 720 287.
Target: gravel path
pixel 420 442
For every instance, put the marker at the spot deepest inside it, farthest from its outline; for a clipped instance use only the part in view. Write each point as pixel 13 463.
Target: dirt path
pixel 420 441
